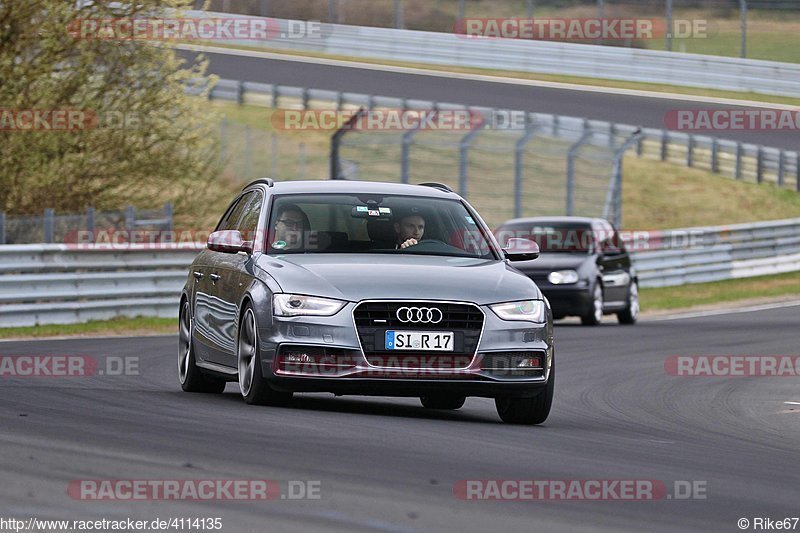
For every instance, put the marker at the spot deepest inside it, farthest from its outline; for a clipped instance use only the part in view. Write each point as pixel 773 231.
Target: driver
pixel 409 231
pixel 290 224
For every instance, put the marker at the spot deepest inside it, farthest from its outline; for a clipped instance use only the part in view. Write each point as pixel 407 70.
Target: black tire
pixel 442 401
pixel 254 388
pixel 631 313
pixel 528 411
pixel 594 315
pixel 191 378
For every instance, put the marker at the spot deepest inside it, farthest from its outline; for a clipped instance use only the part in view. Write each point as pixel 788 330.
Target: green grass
pixel 115 326
pixel 686 296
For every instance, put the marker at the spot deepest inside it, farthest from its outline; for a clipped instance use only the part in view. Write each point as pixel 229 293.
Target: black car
pixel 584 269
pixel 368 289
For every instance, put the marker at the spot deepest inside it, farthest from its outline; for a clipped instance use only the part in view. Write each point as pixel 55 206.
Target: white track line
pixel 715 312
pixel 792 403
pixel 481 77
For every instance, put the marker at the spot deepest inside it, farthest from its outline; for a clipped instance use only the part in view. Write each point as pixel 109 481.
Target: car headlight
pixel 529 310
pixel 563 277
pixel 297 305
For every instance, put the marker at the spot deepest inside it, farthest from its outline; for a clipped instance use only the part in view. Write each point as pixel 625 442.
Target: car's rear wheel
pixel 442 401
pixel 594 315
pixel 528 411
pixel 190 376
pixel 254 388
pixel 631 313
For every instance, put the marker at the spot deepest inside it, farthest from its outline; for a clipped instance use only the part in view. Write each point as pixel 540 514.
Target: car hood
pixel 377 276
pixel 553 261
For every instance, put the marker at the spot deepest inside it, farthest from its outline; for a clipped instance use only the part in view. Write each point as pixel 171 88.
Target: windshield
pixel 390 224
pixel 551 237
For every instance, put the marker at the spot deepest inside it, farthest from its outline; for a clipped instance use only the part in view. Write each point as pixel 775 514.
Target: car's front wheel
pixel 594 315
pixel 528 411
pixel 631 313
pixel 192 378
pixel 442 401
pixel 254 388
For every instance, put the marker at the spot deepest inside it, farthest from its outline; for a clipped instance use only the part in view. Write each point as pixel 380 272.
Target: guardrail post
pixel 339 100
pixel 371 102
pixel 49 223
pixel 664 143
pixel 518 153
pixel 130 218
pixel 737 172
pixel 274 93
pixel 760 165
pixel 781 168
pixel 573 150
pixel 90 220
pixel 715 155
pixel 462 159
pixel 612 131
pixel 240 92
pixel 305 98
pixel 640 146
pixel 556 121
pixel 168 215
pixel 690 151
pixel 2 227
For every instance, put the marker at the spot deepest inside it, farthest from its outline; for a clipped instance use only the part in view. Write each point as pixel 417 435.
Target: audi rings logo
pixel 419 315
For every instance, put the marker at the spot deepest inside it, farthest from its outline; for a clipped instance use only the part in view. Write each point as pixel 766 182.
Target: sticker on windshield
pixel 469 219
pixel 362 208
pixel 279 245
pixel 385 210
pixel 374 213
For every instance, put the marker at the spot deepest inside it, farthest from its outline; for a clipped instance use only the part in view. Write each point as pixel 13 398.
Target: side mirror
pixel 521 250
pixel 229 242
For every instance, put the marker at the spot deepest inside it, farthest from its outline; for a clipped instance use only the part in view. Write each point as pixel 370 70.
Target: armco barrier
pixel 57 284
pixel 567 59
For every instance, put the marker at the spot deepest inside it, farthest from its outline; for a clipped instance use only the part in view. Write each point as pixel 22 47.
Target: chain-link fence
pixel 77 228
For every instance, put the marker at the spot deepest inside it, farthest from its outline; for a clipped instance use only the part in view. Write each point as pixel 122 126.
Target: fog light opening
pixel 530 362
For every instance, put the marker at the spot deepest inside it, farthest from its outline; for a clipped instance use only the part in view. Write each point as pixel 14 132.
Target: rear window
pixel 551 238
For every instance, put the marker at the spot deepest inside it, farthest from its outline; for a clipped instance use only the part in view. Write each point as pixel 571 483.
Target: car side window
pixel 610 243
pixel 248 221
pixel 234 214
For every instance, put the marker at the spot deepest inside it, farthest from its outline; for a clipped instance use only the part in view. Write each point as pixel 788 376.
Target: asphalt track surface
pixel 624 109
pixel 388 464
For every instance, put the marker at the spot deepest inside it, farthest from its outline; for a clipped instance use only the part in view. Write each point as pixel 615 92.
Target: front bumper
pixel 348 371
pixel 567 299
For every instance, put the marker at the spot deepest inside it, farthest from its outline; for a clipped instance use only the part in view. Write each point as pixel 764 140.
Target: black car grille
pixel 374 318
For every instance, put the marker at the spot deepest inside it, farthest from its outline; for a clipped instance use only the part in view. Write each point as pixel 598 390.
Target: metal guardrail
pixel 543 57
pixel 58 284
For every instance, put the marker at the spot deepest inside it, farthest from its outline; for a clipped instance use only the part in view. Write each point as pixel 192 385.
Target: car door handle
pixel 198 275
pixel 215 277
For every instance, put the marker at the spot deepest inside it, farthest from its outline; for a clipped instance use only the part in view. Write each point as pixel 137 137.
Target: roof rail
pixel 435 185
pixel 269 182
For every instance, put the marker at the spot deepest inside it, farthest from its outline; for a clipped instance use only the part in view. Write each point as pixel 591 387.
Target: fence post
pixel 600 15
pixel 669 25
pixel 462 159
pixel 518 151
pixel 130 218
pixel 264 8
pixel 336 140
pixel 90 221
pixel 664 144
pixel 715 155
pixel 168 215
pixel 405 148
pixel 333 17
pixel 737 172
pixel 781 168
pixel 2 227
pixel 49 223
pixel 573 150
pixel 690 151
pixel 760 165
pixel 530 9
pixel 399 14
pixel 743 27
pixel 614 196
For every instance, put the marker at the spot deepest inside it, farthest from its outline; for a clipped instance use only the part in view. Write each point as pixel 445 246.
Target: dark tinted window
pixel 551 237
pixel 234 214
pixel 250 212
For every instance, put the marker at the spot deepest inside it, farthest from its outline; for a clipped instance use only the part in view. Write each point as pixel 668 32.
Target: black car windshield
pixel 370 223
pixel 552 237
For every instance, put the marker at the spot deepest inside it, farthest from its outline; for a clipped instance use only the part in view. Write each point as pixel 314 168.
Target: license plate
pixel 439 341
